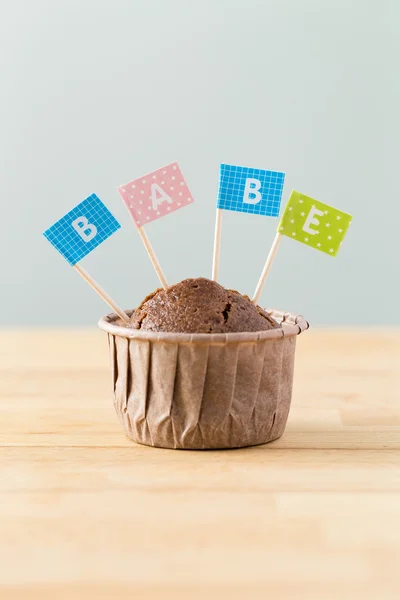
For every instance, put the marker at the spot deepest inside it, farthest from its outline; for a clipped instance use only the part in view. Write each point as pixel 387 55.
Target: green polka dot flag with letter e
pixel 313 223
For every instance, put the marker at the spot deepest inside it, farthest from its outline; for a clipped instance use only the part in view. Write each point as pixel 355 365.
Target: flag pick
pixel 79 232
pixel 310 222
pixel 244 189
pixel 153 196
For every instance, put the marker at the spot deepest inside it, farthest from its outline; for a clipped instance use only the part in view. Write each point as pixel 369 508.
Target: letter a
pixel 157 200
pixel 311 221
pixel 86 230
pixel 252 187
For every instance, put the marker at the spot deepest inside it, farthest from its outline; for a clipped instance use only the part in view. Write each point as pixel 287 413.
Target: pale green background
pixel 95 93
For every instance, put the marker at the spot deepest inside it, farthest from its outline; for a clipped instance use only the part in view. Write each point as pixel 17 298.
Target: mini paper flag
pixel 82 229
pixel 156 194
pixel 254 191
pixel 313 223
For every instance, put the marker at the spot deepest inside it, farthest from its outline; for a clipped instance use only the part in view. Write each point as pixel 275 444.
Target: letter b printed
pixel 248 190
pixel 252 194
pixel 95 227
pixel 86 230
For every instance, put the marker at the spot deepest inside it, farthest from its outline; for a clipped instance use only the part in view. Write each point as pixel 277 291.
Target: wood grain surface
pixel 85 513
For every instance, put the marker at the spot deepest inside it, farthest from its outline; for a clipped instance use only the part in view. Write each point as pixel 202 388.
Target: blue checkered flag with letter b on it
pixel 255 191
pixel 82 229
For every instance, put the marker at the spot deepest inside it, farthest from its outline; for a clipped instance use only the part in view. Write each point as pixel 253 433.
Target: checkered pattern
pixel 232 189
pixel 69 242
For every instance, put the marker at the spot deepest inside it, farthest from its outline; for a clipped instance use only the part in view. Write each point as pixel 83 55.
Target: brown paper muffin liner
pixel 203 391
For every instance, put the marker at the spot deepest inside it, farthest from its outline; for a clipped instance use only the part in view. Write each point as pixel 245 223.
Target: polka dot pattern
pixel 313 223
pixel 166 190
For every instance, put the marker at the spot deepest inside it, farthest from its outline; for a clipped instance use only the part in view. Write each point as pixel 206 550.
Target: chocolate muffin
pixel 200 306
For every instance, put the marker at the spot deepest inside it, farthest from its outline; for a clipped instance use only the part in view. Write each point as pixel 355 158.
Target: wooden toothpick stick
pixel 153 257
pixel 89 279
pixel 217 244
pixel 267 266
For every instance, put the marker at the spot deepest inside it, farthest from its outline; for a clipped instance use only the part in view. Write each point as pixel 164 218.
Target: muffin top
pixel 200 306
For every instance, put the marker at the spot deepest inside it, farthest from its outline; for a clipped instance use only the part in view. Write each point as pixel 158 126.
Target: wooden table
pixel 85 513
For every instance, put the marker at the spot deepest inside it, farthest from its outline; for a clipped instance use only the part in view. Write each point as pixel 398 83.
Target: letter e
pixel 312 221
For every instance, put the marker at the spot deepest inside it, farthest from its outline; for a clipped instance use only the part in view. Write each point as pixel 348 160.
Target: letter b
pixel 252 188
pixel 86 230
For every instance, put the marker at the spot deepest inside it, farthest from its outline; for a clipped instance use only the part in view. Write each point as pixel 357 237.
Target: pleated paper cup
pixel 203 391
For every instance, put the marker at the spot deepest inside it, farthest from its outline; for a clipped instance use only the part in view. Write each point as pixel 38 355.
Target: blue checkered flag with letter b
pixel 82 229
pixel 255 191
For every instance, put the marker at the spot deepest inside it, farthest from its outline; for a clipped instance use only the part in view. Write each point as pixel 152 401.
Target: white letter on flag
pixel 86 230
pixel 163 197
pixel 311 221
pixel 252 186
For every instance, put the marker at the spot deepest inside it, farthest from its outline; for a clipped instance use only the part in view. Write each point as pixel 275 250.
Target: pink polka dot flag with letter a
pixel 156 194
